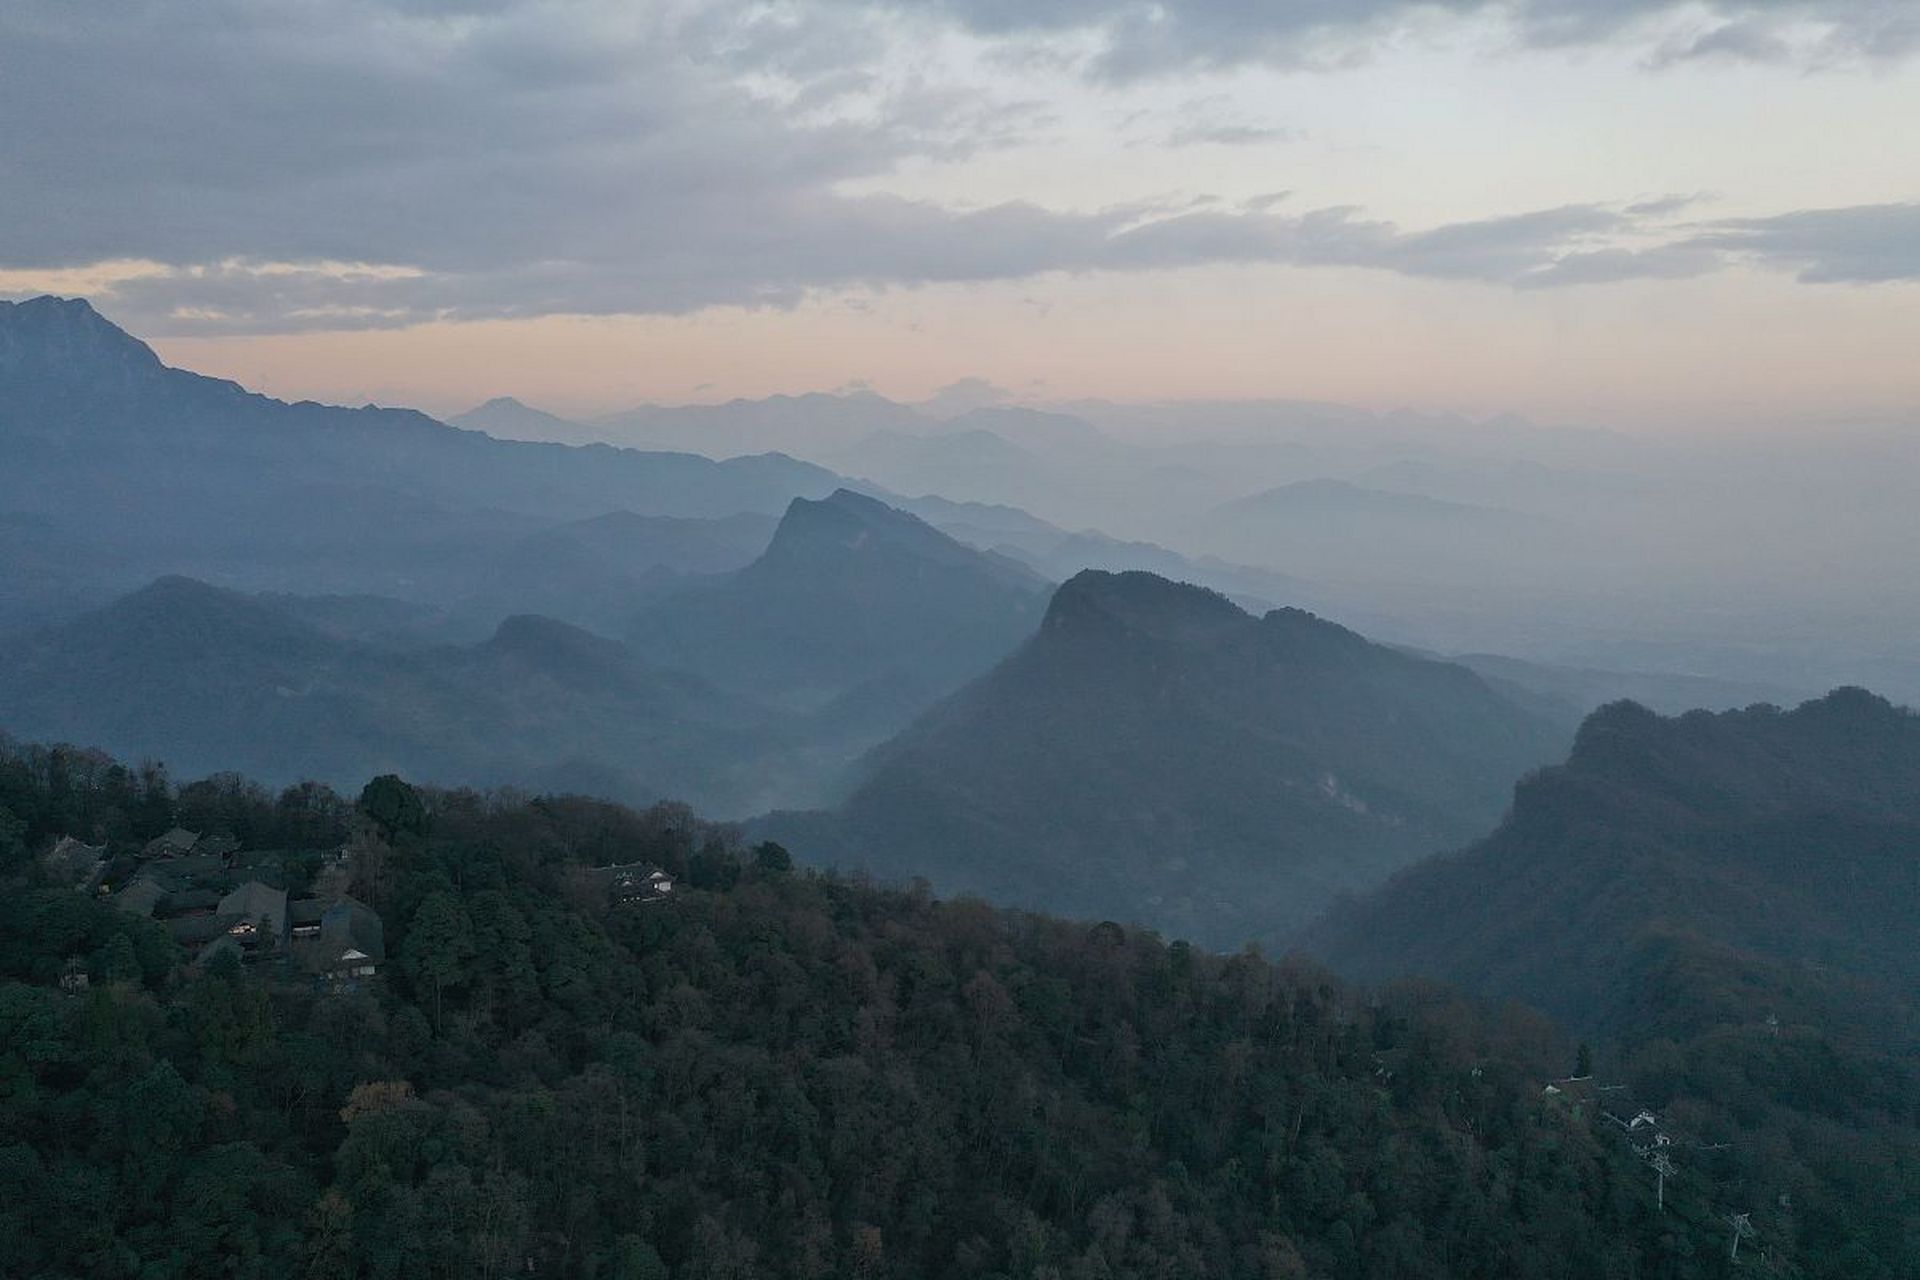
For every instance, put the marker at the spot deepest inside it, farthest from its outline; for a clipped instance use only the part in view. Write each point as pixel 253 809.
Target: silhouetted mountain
pixel 59 355
pixel 210 680
pixel 1787 838
pixel 71 376
pixel 509 419
pixel 1156 753
pixel 850 594
pixel 130 469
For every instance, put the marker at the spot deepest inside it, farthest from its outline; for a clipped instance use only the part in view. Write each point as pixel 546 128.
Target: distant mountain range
pixel 742 690
pixel 509 419
pixel 125 469
pixel 815 425
pixel 1579 548
pixel 70 381
pixel 966 461
pixel 1155 753
pixel 1068 471
pixel 810 425
pixel 1000 451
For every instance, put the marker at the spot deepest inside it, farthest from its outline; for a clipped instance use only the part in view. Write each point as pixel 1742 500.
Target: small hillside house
pixel 177 843
pixel 347 948
pixel 636 882
pixel 258 914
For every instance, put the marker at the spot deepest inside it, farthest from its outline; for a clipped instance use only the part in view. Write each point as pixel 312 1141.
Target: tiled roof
pixel 256 901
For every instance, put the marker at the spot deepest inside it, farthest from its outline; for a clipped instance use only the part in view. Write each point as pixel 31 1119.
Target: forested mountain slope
pixel 1727 901
pixel 1156 753
pixel 774 1074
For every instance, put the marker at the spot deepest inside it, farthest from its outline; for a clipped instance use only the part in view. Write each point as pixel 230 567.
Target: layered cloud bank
pixel 284 166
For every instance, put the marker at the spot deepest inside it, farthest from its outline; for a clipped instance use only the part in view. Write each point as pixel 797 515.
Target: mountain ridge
pixel 1154 752
pixel 126 469
pixel 1660 821
pixel 848 593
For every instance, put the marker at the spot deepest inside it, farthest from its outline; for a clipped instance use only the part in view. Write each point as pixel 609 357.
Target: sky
pixel 1631 213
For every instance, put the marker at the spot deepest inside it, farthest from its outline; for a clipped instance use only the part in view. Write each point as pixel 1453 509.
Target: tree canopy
pixel 774 1073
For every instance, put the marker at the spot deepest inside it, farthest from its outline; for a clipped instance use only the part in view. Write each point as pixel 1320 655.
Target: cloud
pixel 1608 266
pixel 964 394
pixel 878 242
pixel 1510 249
pixel 1152 37
pixel 1225 135
pixel 1208 120
pixel 633 157
pixel 251 166
pixel 844 242
pixel 1862 244
pixel 1749 40
pixel 1661 206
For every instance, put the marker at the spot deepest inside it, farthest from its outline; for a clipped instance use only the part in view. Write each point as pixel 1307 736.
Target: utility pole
pixel 1742 1228
pixel 1663 1168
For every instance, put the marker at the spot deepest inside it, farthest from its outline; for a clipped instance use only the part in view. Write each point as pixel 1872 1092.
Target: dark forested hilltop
pixel 750 1072
pixel 1728 902
pixel 1791 836
pixel 1156 752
